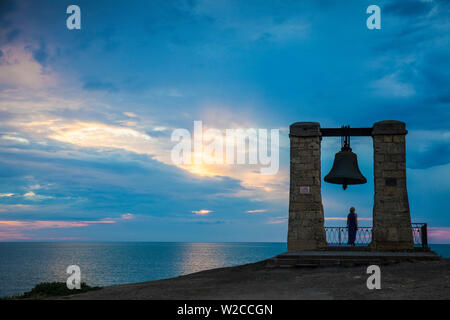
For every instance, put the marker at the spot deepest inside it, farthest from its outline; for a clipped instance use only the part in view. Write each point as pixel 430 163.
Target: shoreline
pixel 403 280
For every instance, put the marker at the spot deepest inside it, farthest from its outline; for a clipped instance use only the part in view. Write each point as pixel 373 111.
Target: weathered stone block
pixel 391 216
pixel 306 222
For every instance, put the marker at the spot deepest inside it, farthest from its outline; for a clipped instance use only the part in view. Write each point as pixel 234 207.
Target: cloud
pixel 11 235
pixel 277 220
pixel 436 179
pixel 40 54
pixel 12 35
pixel 30 195
pixel 391 86
pixel 20 229
pixel 439 234
pixel 15 139
pixel 202 212
pixel 200 55
pixel 268 24
pixel 130 114
pixel 408 8
pixel 52 224
pixel 52 119
pixel 434 155
pixel 256 211
pixel 19 69
pixel 127 216
pixel 4 195
pixel 46 129
pixel 92 134
pixel 16 207
pixel 431 148
pixel 286 31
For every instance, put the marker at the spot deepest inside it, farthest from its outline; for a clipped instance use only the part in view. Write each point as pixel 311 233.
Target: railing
pixel 420 234
pixel 339 235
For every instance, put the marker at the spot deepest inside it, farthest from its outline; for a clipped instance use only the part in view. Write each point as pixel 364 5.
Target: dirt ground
pixel 406 280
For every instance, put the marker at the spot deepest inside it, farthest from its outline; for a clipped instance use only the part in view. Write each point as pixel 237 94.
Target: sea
pixel 25 264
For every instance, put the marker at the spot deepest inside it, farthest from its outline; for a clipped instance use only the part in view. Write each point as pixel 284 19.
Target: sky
pixel 86 116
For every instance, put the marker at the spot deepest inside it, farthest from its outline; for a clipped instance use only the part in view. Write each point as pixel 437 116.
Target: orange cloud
pixel 4 195
pixel 36 122
pixel 202 212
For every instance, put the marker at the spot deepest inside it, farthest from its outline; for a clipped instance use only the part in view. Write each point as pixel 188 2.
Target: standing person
pixel 352 226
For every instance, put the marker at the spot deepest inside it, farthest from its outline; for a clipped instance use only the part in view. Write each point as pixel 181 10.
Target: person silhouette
pixel 352 226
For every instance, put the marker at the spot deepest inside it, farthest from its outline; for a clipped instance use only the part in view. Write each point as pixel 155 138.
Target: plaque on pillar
pixel 304 190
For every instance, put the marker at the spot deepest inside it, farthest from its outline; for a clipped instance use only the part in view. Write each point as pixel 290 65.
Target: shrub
pixel 53 289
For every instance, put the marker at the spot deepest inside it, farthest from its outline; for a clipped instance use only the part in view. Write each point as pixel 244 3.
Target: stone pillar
pixel 306 222
pixel 391 216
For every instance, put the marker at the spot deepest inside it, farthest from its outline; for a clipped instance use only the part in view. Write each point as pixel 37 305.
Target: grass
pixel 47 290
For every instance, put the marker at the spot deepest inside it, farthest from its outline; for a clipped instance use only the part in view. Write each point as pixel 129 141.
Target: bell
pixel 345 168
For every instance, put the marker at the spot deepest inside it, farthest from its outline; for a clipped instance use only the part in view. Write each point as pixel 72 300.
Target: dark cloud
pixel 408 7
pixel 409 39
pixel 416 55
pixel 444 98
pixel 437 154
pixel 416 112
pixel 12 35
pixel 108 183
pixel 224 56
pixel 435 68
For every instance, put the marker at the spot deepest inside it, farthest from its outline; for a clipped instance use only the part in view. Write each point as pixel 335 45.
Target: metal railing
pixel 339 235
pixel 420 234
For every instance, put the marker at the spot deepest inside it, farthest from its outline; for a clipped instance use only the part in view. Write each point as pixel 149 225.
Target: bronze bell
pixel 345 168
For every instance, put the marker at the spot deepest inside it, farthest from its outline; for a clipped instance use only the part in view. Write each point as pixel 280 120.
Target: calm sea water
pixel 24 264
